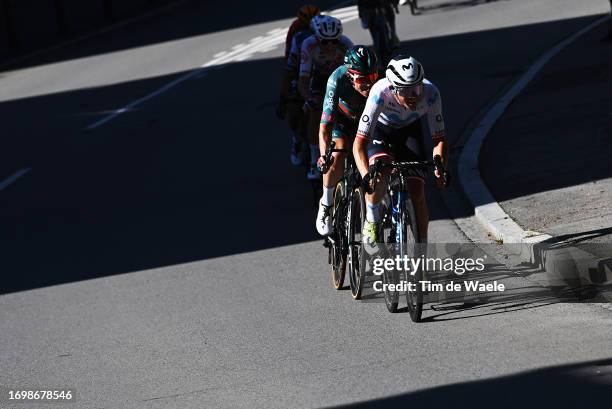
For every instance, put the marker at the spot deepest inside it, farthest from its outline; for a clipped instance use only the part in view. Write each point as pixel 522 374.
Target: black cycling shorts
pixel 318 83
pixel 401 145
pixel 344 128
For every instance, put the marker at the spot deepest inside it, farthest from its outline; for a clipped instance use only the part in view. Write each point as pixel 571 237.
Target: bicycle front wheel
pixel 410 247
pixel 356 263
pixel 390 278
pixel 338 236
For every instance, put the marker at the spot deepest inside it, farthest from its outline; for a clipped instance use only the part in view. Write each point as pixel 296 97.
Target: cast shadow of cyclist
pixel 449 5
pixel 540 291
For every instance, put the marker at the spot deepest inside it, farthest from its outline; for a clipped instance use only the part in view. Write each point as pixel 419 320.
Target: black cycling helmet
pixel 361 60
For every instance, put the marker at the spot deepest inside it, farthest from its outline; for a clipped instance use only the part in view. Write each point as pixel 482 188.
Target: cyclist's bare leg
pixel 381 188
pixel 314 118
pixel 390 15
pixel 416 189
pixel 334 174
pixel 312 134
pixel 295 116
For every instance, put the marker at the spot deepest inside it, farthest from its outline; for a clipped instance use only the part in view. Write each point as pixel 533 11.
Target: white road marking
pixel 8 181
pixel 239 52
pixel 143 99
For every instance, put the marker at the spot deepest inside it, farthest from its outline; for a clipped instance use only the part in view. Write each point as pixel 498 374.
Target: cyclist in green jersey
pixel 345 96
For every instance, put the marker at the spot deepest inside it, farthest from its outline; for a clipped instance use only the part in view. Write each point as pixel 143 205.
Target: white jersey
pixel 323 61
pixel 382 106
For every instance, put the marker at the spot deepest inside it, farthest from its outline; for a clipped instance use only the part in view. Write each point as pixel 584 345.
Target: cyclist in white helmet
pixel 398 110
pixel 321 54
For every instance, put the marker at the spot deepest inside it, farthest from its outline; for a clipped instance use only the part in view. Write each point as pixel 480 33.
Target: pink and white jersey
pixel 323 60
pixel 382 106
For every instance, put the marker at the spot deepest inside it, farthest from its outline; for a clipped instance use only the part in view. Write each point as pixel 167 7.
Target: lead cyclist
pixel 391 128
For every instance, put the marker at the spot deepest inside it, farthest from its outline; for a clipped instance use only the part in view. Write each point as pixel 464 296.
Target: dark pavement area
pixel 548 159
pixel 168 183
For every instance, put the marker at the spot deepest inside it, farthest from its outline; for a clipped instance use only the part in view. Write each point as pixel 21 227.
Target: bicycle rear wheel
pixel 411 247
pixel 338 243
pixel 356 263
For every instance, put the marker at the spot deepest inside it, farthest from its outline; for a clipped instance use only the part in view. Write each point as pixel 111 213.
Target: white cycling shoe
pixel 369 237
pixel 324 219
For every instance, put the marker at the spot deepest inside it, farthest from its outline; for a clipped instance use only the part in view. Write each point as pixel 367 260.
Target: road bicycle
pixel 399 231
pixel 344 242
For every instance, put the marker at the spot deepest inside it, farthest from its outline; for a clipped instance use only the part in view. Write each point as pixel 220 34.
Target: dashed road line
pixel 13 178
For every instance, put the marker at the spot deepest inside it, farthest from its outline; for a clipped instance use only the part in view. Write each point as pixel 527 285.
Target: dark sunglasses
pixel 410 92
pixel 328 42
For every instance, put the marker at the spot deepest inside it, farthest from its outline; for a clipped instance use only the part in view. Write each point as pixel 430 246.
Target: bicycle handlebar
pixel 328 159
pixel 379 165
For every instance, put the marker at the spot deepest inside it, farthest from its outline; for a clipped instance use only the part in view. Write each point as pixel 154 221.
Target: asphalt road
pixel 168 257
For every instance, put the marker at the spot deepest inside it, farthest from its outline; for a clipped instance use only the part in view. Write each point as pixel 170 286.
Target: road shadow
pixel 200 172
pixel 184 19
pixel 582 385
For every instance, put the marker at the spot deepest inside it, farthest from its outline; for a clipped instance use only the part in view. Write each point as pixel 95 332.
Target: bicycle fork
pixel 397 200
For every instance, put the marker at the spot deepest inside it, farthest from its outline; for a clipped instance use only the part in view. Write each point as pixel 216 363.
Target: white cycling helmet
pixel 326 27
pixel 314 21
pixel 404 71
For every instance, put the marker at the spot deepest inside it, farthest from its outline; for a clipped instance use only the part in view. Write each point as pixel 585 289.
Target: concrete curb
pixel 486 209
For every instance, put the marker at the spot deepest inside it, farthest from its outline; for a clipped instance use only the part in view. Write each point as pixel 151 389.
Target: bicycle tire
pixel 388 235
pixel 414 299
pixel 355 259
pixel 338 245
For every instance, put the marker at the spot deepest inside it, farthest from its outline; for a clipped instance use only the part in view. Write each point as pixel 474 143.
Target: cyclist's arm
pixel 291 69
pixel 436 126
pixel 367 122
pixel 327 117
pixel 305 69
pixel 360 154
pixel 290 34
pixel 288 43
